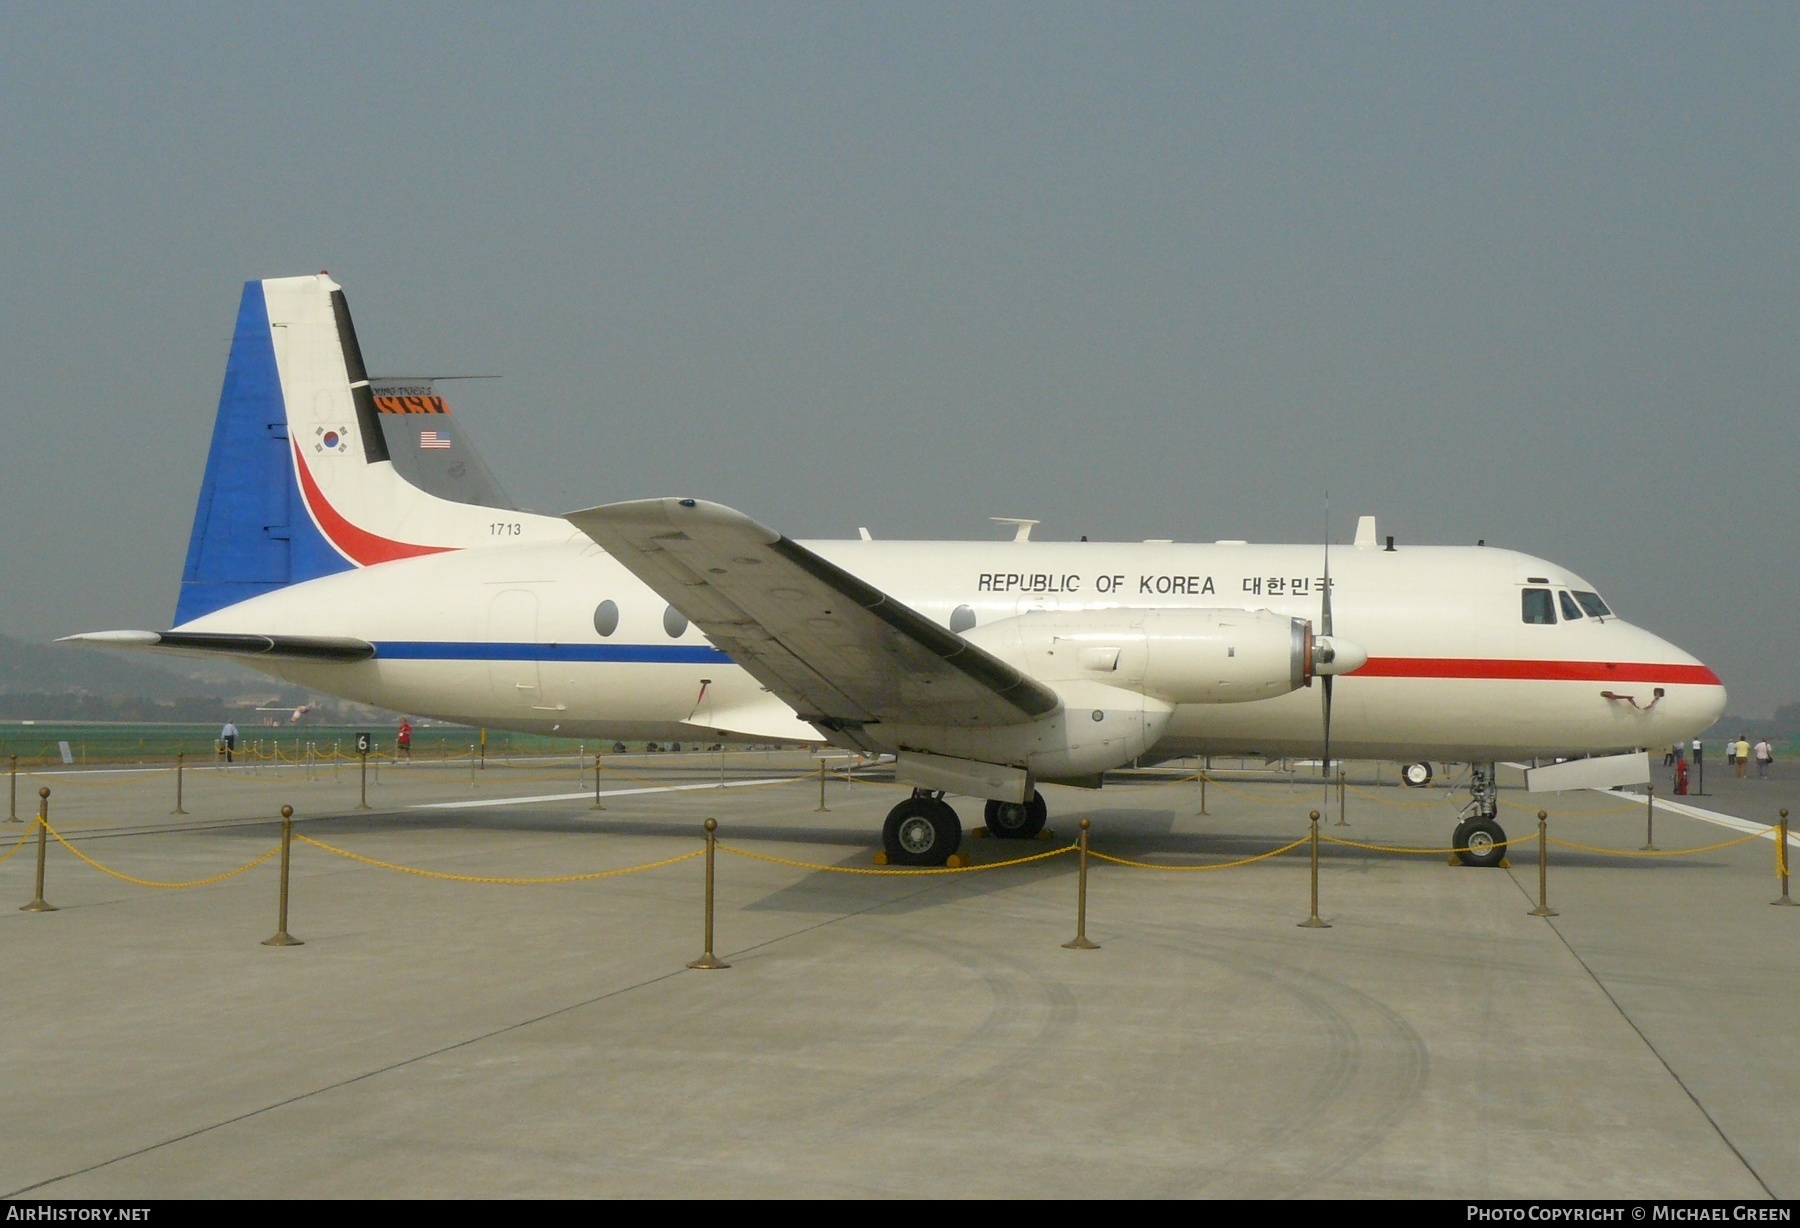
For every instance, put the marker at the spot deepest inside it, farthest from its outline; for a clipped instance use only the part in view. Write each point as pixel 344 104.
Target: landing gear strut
pixel 1478 835
pixel 1013 821
pixel 921 831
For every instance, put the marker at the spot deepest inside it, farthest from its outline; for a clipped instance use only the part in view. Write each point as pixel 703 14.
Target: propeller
pixel 1331 656
pixel 1325 630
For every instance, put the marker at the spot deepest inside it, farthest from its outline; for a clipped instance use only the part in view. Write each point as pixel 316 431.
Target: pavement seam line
pixel 1648 1043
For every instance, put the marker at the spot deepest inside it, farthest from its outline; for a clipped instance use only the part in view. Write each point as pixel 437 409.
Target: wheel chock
pixel 880 857
pixel 1506 863
pixel 1453 861
pixel 980 833
pixel 956 861
pixel 1045 834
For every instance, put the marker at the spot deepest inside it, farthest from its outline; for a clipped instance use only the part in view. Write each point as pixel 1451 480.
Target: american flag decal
pixel 434 439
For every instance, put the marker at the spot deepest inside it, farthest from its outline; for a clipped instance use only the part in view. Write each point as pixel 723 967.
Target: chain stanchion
pixel 43 825
pixel 362 802
pixel 1314 922
pixel 281 937
pixel 1781 862
pixel 1081 942
pixel 1203 792
pixel 1649 820
pixel 179 757
pixel 471 765
pixel 822 809
pixel 709 960
pixel 12 806
pixel 596 805
pixel 1342 820
pixel 1543 909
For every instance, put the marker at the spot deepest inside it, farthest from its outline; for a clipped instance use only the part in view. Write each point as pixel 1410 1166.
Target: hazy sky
pixel 1518 272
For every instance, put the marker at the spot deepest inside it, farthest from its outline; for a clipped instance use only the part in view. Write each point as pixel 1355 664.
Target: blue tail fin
pixel 252 533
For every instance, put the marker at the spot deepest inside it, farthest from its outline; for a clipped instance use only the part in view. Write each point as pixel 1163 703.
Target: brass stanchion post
pixel 12 806
pixel 709 960
pixel 471 765
pixel 597 805
pixel 362 802
pixel 1081 942
pixel 281 937
pixel 822 809
pixel 43 825
pixel 179 758
pixel 1313 922
pixel 1342 820
pixel 1649 820
pixel 1543 909
pixel 484 748
pixel 1202 790
pixel 1781 862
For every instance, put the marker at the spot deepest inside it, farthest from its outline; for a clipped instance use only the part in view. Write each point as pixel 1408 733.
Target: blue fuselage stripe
pixel 444 650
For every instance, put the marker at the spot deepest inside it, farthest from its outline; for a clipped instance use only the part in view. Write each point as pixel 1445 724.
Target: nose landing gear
pixel 921 831
pixel 1479 837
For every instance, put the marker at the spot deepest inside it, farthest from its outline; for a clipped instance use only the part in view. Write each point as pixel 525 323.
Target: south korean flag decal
pixel 331 439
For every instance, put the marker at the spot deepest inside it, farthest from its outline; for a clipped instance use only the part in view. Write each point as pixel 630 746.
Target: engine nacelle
pixel 1098 727
pixel 1180 656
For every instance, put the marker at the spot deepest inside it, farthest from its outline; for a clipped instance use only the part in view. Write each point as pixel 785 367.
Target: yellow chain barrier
pixel 506 882
pixel 147 882
pixel 1705 848
pixel 1218 865
pixel 20 842
pixel 809 865
pixel 1390 848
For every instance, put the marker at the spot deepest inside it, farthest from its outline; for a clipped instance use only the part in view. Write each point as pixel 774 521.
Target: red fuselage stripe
pixel 1536 671
pixel 362 546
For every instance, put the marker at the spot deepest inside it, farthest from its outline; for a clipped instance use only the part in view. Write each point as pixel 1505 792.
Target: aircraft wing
pixel 839 651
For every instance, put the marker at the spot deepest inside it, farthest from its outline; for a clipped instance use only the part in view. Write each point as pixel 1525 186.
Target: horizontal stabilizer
pixel 290 647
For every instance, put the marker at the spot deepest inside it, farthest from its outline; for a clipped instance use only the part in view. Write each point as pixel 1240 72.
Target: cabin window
pixel 674 622
pixel 1538 608
pixel 606 618
pixel 1571 613
pixel 1593 605
pixel 962 619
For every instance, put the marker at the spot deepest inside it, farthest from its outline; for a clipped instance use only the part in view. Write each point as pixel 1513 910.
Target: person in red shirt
pixel 403 743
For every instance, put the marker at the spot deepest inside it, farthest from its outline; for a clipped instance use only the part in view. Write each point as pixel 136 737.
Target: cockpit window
pixel 1593 605
pixel 1570 612
pixel 1538 607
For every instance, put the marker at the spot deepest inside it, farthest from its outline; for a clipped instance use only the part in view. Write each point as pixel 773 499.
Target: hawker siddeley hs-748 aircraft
pixel 348 540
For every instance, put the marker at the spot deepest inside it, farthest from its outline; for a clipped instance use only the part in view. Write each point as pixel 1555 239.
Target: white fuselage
pixel 504 635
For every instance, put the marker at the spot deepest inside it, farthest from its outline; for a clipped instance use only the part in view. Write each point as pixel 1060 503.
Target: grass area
pixel 37 743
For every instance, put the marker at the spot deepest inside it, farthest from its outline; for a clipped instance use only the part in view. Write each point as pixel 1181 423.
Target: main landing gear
pixel 1013 821
pixel 1478 835
pixel 921 831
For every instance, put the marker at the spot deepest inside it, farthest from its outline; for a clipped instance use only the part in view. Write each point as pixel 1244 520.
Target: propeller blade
pixel 1325 629
pixel 1325 698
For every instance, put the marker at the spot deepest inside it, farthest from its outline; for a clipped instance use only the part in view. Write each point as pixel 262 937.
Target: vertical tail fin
pixel 300 482
pixel 251 533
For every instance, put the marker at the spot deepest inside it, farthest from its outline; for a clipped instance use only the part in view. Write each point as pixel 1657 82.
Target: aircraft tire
pixel 1011 821
pixel 1484 840
pixel 921 831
